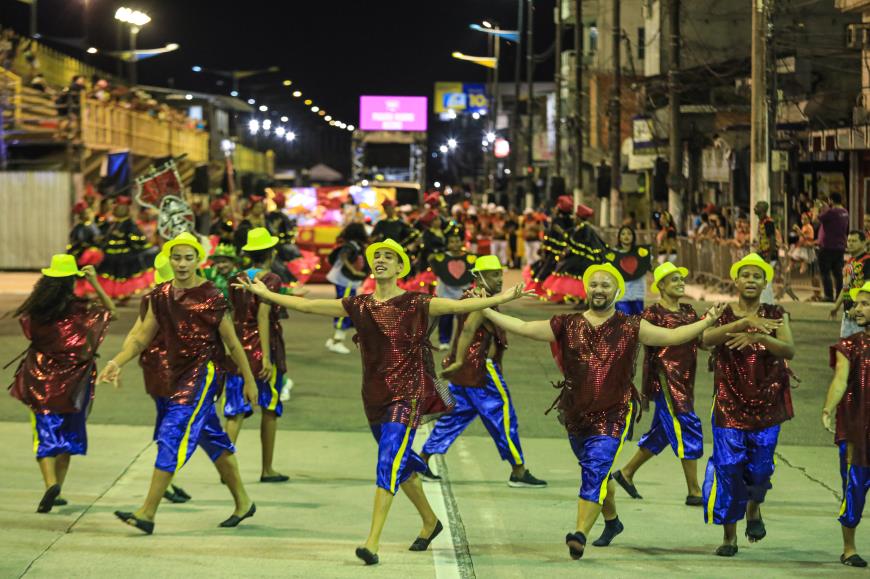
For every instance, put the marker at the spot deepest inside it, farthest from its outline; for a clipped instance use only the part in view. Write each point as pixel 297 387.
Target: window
pixel 593 38
pixel 641 43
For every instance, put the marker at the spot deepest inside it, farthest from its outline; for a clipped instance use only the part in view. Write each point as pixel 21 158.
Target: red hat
pixel 389 203
pixel 218 205
pixel 565 203
pixel 123 200
pixel 91 192
pixel 432 199
pixel 428 217
pixel 585 211
pixel 79 207
pixel 279 199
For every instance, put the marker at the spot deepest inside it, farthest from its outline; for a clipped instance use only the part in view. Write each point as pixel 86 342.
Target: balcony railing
pixel 250 160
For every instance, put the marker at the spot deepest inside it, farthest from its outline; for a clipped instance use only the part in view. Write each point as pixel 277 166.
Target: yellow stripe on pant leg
pixel 505 411
pixel 602 493
pixel 185 440
pixel 273 379
pixel 339 321
pixel 397 462
pixel 678 428
pixel 711 502
pixel 845 489
pixel 35 432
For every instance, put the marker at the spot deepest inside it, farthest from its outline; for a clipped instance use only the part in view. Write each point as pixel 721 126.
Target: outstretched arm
pixel 91 276
pixel 443 306
pixel 472 322
pixel 332 308
pixel 538 330
pixel 652 335
pixel 137 340
pixel 836 390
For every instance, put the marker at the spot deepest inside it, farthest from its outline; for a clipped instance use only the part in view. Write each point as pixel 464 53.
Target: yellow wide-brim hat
pixel 487 263
pixel 259 238
pixel 185 239
pixel 607 268
pixel 663 271
pixel 162 268
pixel 752 259
pixel 853 293
pixel 62 265
pixel 394 247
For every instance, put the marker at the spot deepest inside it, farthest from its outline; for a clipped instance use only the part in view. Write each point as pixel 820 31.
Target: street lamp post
pixel 136 20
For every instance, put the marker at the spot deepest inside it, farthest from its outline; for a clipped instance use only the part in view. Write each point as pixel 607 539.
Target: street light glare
pixel 263 108
pixel 452 143
pixel 350 128
pixel 437 184
pixel 284 119
pixel 327 118
pixel 287 82
pixel 196 69
pixel 309 102
pixel 475 116
pixel 443 148
pixel 280 131
pixel 315 108
pixel 297 93
pixel 234 93
pixel 188 97
pixel 252 102
pixel 253 126
pixel 490 136
pixel 290 136
pixel 486 24
pixel 133 17
pixel 92 50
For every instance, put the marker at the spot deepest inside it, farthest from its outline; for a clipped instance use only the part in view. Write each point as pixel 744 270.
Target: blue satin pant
pixel 396 461
pixel 856 482
pixel 682 432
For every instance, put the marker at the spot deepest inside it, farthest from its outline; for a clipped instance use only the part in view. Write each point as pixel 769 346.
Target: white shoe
pixel 336 347
pixel 443 347
pixel 285 390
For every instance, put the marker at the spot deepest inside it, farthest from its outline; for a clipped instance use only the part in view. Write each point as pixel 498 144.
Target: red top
pixel 245 307
pixel 473 373
pixel 399 382
pixel 853 412
pixel 58 368
pixel 154 361
pixel 598 365
pixel 677 363
pixel 189 320
pixel 751 385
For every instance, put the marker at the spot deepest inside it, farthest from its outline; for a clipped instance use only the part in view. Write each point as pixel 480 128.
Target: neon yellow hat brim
pixel 49 272
pixel 755 260
pixel 185 239
pixel 607 268
pixel 273 241
pixel 395 248
pixel 487 263
pixel 853 293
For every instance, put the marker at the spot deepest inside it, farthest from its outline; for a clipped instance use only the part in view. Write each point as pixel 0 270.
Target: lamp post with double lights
pixel 136 19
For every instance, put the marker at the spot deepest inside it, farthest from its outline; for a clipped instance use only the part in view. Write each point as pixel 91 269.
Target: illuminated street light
pixel 452 143
pixel 253 126
pixel 132 17
pixel 490 136
pixel 309 102
pixel 263 108
pixel 297 93
pixel 486 24
pixel 475 115
pixel 443 149
pixel 234 93
pixel 351 128
pixel 252 102
pixel 322 113
pixel 188 97
pixel 315 108
pixel 92 50
pixel 327 118
pixel 267 124
pixel 290 136
pixel 196 68
pixel 287 82
pixel 437 184
pixel 284 119
pixel 280 131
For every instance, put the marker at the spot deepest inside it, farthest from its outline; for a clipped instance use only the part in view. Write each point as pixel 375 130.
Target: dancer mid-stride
pixel 399 389
pixel 596 351
pixel 55 379
pixel 191 315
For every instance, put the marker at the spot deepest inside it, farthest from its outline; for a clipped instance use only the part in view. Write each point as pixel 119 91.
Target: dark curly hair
pixel 50 299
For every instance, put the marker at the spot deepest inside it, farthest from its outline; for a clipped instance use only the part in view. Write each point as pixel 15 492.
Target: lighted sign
pixel 460 97
pixel 393 113
pixel 501 148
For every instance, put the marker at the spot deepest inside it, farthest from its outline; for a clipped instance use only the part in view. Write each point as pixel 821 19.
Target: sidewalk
pixel 310 527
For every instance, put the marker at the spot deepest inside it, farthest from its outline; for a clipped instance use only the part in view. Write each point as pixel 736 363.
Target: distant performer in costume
pixel 554 246
pixel 633 261
pixel 224 266
pixel 394 227
pixel 752 342
pixel 669 379
pixel 191 315
pixel 433 240
pixel 255 216
pixel 223 227
pixel 478 385
pixel 596 352
pixel 849 399
pixel 853 278
pixel 347 275
pixel 400 390
pixel 453 270
pixel 258 325
pixel 84 244
pixel 288 263
pixel 55 379
pixel 584 249
pixel 123 271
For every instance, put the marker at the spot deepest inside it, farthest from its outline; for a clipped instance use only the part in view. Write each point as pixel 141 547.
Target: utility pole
pixel 759 176
pixel 515 122
pixel 578 91
pixel 530 109
pixel 557 166
pixel 615 116
pixel 33 31
pixel 676 182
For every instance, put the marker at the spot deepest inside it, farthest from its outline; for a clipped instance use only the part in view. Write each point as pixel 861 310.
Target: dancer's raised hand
pixel 256 287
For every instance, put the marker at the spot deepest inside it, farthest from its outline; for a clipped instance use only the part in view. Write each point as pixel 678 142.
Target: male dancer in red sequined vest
pixel 191 315
pixel 399 385
pixel 478 386
pixel 669 378
pixel 849 397
pixel 596 351
pixel 751 342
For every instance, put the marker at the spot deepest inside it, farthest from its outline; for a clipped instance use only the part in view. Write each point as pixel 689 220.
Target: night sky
pixel 332 51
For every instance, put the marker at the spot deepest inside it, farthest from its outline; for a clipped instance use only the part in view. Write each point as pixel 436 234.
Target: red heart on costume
pixel 456 267
pixel 628 264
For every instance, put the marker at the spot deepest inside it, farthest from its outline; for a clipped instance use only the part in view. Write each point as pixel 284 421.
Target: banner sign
pixel 460 97
pixel 393 113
